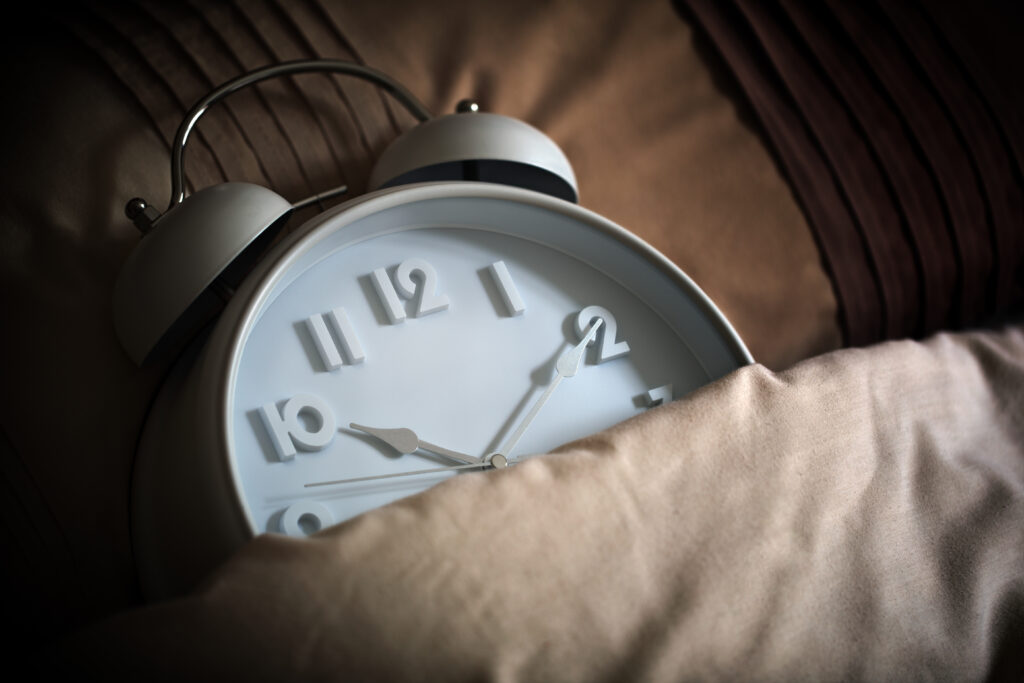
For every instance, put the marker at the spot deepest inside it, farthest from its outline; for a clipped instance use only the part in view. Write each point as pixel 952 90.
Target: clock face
pixel 415 333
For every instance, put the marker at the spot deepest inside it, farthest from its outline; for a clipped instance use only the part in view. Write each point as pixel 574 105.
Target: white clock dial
pixel 444 316
pixel 421 328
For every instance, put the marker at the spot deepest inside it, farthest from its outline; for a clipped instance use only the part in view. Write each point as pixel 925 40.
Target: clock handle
pixel 144 215
pixel 388 84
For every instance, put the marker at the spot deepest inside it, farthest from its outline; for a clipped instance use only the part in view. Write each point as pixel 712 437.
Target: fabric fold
pixel 771 525
pixel 892 129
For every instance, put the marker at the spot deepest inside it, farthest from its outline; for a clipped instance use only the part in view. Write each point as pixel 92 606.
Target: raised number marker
pixel 324 344
pixel 609 348
pixel 350 345
pixel 388 296
pixel 306 518
pixel 430 301
pixel 423 289
pixel 286 429
pixel 347 341
pixel 658 396
pixel 507 288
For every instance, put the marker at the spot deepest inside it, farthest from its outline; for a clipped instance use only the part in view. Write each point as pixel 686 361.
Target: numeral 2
pixel 428 299
pixel 606 336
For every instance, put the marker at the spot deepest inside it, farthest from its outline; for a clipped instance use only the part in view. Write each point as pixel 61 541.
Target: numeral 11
pixel 344 340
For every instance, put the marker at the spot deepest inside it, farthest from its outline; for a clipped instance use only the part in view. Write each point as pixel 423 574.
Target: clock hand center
pixel 567 365
pixel 406 441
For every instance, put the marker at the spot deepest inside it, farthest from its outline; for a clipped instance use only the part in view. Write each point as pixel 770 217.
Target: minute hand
pixel 568 365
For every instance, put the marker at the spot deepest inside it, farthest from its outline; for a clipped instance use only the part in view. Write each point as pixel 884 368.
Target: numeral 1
pixel 609 349
pixel 507 288
pixel 330 354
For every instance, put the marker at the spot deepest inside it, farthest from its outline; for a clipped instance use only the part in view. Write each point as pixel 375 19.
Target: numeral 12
pixel 428 300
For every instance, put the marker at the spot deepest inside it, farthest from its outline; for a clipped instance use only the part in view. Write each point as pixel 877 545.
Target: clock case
pixel 187 513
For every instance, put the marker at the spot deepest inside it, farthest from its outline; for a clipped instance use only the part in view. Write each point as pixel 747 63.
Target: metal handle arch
pixel 379 78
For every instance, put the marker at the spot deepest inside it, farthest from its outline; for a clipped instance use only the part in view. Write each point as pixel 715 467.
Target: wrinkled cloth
pixel 860 516
pixel 898 125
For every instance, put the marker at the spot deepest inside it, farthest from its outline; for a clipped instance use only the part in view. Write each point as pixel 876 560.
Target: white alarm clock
pixel 419 332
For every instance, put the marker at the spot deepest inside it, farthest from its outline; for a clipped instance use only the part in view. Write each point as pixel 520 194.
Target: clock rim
pixel 220 358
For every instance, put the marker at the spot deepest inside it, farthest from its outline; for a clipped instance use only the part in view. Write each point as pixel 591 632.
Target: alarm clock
pixel 462 316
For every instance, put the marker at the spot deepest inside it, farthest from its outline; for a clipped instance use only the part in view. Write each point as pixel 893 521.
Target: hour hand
pixel 405 441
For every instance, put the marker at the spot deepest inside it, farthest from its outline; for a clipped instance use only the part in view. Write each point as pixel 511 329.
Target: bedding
pixel 782 526
pixel 859 514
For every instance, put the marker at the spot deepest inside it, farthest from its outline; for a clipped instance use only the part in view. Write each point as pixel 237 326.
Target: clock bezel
pixel 291 258
pixel 189 510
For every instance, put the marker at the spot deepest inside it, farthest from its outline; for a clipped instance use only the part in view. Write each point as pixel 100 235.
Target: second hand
pixel 497 462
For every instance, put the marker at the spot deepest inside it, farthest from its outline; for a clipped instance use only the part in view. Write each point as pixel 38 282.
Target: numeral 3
pixel 658 396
